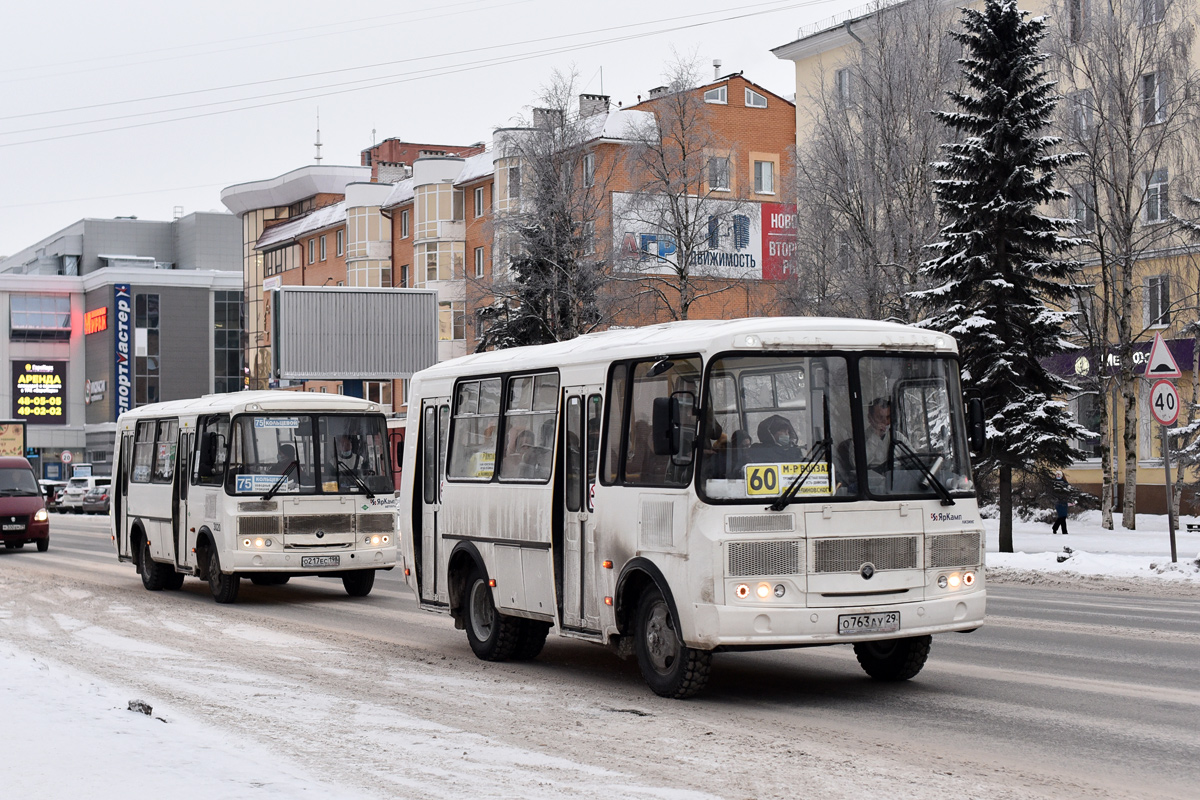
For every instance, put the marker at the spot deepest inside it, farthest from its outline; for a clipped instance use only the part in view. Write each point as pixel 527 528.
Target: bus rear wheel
pixel 224 588
pixel 893 659
pixel 670 667
pixel 359 582
pixel 492 635
pixel 154 574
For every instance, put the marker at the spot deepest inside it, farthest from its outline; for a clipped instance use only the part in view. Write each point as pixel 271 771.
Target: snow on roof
pixel 619 124
pixel 704 335
pixel 476 167
pixel 402 192
pixel 310 222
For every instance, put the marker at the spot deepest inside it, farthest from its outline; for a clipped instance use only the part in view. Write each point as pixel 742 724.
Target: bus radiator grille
pixel 760 523
pixel 312 523
pixel 779 557
pixel 848 555
pixel 258 526
pixel 376 523
pixel 952 550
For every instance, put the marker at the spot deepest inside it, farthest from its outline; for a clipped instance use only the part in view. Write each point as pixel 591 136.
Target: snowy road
pixel 303 690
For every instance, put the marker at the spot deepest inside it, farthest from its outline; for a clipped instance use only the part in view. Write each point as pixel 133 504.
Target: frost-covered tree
pixel 1000 264
pixel 1132 91
pixel 863 181
pixel 550 288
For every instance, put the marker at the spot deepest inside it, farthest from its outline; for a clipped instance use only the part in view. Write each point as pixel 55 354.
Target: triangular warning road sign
pixel 1161 363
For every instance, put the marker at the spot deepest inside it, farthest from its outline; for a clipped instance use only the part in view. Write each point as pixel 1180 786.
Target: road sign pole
pixel 1170 502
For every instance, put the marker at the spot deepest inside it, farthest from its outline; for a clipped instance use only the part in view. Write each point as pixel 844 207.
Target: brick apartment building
pixel 443 215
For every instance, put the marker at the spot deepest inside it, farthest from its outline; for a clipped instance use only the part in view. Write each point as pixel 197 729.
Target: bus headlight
pixel 780 590
pixel 763 590
pixel 955 580
pixel 743 591
pixel 259 542
pixel 968 578
pixel 41 515
pixel 942 582
pixel 246 542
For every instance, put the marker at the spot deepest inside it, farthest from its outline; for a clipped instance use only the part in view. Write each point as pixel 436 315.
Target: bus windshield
pixel 782 428
pixel 310 454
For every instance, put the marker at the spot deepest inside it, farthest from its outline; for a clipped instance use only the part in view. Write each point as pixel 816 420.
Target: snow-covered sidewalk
pixel 1144 553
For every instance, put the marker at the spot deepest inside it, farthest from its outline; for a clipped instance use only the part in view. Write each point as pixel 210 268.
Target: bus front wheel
pixel 224 588
pixel 670 667
pixel 492 635
pixel 154 574
pixel 359 582
pixel 893 659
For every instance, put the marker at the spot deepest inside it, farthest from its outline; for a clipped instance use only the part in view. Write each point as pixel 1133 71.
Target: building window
pixel 478 262
pixel 404 276
pixel 227 341
pixel 714 233
pixel 589 237
pixel 841 88
pixel 324 254
pixel 718 173
pixel 341 242
pixel 39 317
pixel 1158 301
pixel 1083 207
pixel 1077 14
pixel 452 321
pixel 145 349
pixel 1156 196
pixel 514 182
pixel 456 201
pixel 378 392
pixel 764 177
pixel 1087 413
pixel 755 100
pixel 1080 107
pixel 719 95
pixel 438 261
pixel 589 169
pixel 404 224
pixel 312 251
pixel 479 201
pixel 1152 12
pixel 1154 96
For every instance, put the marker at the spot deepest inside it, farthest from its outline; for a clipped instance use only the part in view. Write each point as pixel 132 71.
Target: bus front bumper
pixel 766 626
pixel 312 563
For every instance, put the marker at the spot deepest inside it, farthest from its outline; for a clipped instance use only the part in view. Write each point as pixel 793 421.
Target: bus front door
pixel 179 495
pixel 435 418
pixel 120 494
pixel 580 603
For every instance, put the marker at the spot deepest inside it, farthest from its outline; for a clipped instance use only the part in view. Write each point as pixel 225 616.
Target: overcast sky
pixel 134 107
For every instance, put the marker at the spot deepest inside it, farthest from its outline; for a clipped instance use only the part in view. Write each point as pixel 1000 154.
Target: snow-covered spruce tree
pixel 1000 263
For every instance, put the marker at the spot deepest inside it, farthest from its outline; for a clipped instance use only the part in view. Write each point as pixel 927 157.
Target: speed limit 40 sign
pixel 1164 402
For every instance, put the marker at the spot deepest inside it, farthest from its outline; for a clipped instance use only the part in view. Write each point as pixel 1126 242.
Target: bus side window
pixel 429 449
pixel 593 445
pixel 143 452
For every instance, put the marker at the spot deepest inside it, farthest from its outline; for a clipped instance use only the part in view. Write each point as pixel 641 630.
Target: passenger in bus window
pixel 287 457
pixel 777 441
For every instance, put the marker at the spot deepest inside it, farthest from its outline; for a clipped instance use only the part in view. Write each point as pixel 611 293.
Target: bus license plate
pixel 887 622
pixel 320 561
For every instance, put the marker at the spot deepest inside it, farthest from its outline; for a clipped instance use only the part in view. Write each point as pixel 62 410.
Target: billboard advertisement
pixel 123 341
pixel 12 438
pixel 741 239
pixel 39 392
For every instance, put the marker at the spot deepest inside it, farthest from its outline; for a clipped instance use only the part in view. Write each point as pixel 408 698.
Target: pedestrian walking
pixel 1061 491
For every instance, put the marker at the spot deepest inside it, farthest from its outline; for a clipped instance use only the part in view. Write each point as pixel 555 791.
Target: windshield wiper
pixel 820 448
pixel 930 479
pixel 282 480
pixel 353 474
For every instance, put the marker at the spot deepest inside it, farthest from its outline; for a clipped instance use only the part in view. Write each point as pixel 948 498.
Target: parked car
pixel 96 501
pixel 72 496
pixel 23 516
pixel 50 491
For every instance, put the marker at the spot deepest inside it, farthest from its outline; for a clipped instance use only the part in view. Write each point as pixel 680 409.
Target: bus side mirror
pixel 975 422
pixel 673 427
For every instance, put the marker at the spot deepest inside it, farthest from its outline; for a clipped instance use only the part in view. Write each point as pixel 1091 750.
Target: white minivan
pixel 72 498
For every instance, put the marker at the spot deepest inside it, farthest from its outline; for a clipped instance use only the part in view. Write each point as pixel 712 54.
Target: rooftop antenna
pixel 318 135
pixel 601 79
